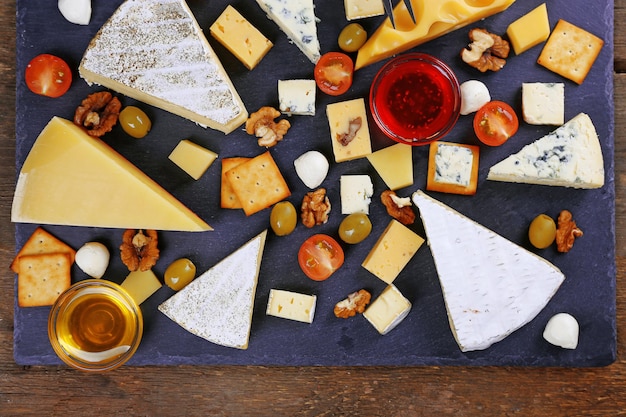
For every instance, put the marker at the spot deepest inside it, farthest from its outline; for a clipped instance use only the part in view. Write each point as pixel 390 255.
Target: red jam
pixel 415 98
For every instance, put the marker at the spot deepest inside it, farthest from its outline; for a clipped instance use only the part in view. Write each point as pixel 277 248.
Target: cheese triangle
pixel 571 156
pixel 491 286
pixel 155 52
pixel 70 178
pixel 394 164
pixel 297 19
pixel 218 305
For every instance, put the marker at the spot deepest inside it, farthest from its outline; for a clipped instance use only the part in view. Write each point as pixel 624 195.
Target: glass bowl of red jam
pixel 415 99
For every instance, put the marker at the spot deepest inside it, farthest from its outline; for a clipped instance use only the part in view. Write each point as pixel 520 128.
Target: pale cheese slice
pixel 155 52
pixel 491 286
pixel 571 156
pixel 218 305
pixel 72 179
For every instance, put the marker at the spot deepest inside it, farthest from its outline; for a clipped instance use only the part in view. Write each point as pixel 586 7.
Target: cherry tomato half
pixel 320 256
pixel 48 75
pixel 495 123
pixel 333 73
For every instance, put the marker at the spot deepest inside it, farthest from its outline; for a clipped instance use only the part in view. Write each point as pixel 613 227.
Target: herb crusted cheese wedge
pixel 155 52
pixel 571 156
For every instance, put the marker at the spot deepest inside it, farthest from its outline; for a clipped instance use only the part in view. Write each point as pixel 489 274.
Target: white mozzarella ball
pixel 474 95
pixel 93 259
pixel 76 11
pixel 562 330
pixel 312 168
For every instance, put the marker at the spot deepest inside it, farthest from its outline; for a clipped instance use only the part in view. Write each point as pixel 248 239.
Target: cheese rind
pixel 491 286
pixel 387 310
pixel 394 164
pixel 453 168
pixel 192 158
pixel 529 30
pixel 218 305
pixel 434 18
pixel 70 178
pixel 240 37
pixel 291 305
pixel 571 156
pixel 155 52
pixel 297 19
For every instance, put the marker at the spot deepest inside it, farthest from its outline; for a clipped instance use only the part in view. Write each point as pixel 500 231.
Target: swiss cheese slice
pixel 491 286
pixel 434 18
pixel 218 305
pixel 70 178
pixel 155 52
pixel 571 156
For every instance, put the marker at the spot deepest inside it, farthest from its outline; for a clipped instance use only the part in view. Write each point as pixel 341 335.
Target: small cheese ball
pixel 474 95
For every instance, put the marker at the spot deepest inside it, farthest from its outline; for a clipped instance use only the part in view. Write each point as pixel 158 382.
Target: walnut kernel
pixel 98 113
pixel 315 208
pixel 487 52
pixel 262 125
pixel 397 207
pixel 139 250
pixel 566 231
pixel 353 304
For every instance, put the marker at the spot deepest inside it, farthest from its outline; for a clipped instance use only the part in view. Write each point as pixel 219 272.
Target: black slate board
pixel 424 338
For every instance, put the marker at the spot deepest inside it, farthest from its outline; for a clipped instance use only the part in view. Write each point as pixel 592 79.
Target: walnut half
pixel 566 232
pixel 315 208
pixel 98 113
pixel 139 250
pixel 397 207
pixel 487 52
pixel 262 125
pixel 355 303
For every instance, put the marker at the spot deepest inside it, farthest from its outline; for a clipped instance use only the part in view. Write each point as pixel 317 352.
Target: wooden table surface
pixel 303 391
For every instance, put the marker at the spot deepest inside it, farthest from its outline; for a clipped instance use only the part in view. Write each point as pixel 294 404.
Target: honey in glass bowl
pixel 95 325
pixel 415 98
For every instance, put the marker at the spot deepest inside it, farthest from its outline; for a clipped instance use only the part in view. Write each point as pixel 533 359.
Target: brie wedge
pixel 218 305
pixel 155 52
pixel 297 19
pixel 571 156
pixel 491 286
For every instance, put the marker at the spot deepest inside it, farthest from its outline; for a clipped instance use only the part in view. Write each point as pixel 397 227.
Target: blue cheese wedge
pixel 491 286
pixel 218 305
pixel 571 156
pixel 297 19
pixel 543 103
pixel 297 97
pixel 291 305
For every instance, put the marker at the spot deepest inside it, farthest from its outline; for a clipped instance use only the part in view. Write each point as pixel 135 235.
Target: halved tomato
pixel 495 123
pixel 48 75
pixel 333 73
pixel 320 256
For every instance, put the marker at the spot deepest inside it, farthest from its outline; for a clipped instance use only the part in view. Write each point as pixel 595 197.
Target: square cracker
pixel 258 183
pixel 42 241
pixel 228 198
pixel 570 51
pixel 42 278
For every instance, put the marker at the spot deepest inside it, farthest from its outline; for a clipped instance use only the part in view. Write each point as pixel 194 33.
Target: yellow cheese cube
pixel 529 30
pixel 342 117
pixel 388 310
pixel 393 250
pixel 359 9
pixel 192 158
pixel 394 164
pixel 242 39
pixel 141 285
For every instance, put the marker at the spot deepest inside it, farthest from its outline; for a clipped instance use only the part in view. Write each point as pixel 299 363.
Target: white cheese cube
pixel 543 103
pixel 356 192
pixel 291 305
pixel 388 310
pixel 297 97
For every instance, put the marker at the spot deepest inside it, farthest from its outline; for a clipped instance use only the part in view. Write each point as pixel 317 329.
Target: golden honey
pixel 95 325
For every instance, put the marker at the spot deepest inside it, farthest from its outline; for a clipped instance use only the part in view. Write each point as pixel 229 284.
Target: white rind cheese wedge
pixel 491 286
pixel 571 156
pixel 297 19
pixel 155 52
pixel 218 305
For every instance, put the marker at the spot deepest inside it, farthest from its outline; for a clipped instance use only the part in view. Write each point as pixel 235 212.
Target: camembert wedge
pixel 155 52
pixel 491 286
pixel 218 305
pixel 571 156
pixel 73 179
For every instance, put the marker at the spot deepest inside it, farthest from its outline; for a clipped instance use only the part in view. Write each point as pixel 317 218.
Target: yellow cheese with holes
pixel 394 164
pixel 359 9
pixel 343 117
pixel 70 178
pixel 141 285
pixel 433 19
pixel 242 39
pixel 529 30
pixel 192 158
pixel 393 251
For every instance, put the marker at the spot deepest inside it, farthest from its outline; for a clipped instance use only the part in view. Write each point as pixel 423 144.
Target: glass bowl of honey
pixel 415 99
pixel 95 326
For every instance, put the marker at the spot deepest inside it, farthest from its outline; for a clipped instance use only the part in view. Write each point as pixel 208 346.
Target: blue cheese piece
pixel 297 19
pixel 356 193
pixel 291 305
pixel 218 305
pixel 543 103
pixel 453 164
pixel 491 286
pixel 387 310
pixel 571 156
pixel 297 97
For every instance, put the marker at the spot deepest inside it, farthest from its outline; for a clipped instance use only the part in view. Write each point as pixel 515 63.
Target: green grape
pixel 283 218
pixel 352 37
pixel 542 231
pixel 135 122
pixel 179 273
pixel 355 228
